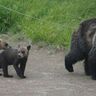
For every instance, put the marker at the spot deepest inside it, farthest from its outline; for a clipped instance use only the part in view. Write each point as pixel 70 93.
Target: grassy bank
pixel 51 21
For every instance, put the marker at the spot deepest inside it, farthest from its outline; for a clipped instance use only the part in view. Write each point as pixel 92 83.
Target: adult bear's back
pixel 86 33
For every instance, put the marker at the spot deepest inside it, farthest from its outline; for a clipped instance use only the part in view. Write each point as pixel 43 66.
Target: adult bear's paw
pixel 68 64
pixel 69 68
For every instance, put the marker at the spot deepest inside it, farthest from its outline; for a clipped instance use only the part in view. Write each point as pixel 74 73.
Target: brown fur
pixel 3 44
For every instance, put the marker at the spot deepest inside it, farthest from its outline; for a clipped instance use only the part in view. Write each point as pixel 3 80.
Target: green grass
pixel 50 21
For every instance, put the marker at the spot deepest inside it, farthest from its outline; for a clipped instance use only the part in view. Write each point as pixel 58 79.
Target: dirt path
pixel 46 76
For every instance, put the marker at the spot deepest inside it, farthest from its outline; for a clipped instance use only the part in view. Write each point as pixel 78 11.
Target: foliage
pixel 51 21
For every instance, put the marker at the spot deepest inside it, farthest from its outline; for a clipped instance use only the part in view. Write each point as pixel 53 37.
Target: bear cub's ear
pixel 6 44
pixel 28 47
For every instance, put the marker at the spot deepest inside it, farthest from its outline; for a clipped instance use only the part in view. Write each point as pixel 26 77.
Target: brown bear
pixel 83 47
pixel 16 57
pixel 3 44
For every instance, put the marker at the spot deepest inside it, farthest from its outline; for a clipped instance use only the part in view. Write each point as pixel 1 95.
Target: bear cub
pixel 16 57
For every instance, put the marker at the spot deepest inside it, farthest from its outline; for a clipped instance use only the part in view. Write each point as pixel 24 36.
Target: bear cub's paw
pixel 8 76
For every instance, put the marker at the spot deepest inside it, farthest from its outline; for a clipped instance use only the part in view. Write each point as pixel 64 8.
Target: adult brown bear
pixel 83 47
pixel 16 57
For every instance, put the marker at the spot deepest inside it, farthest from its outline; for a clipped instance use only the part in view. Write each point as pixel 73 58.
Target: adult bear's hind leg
pixel 92 62
pixel 86 67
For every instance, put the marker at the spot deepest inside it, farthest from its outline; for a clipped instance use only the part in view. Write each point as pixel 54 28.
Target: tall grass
pixel 51 21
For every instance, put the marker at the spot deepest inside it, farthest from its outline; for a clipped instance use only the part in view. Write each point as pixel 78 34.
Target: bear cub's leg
pixel 5 72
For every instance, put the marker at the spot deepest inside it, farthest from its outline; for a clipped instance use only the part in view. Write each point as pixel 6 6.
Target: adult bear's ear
pixel 28 47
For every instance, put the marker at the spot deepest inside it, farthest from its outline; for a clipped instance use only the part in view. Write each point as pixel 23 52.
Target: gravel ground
pixel 46 76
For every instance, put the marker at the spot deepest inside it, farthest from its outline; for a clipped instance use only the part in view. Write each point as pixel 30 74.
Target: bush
pixel 51 21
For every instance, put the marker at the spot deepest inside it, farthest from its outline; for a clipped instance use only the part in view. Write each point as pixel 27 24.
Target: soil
pixel 47 76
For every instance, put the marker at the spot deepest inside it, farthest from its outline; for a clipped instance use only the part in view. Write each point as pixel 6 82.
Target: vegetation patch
pixel 49 21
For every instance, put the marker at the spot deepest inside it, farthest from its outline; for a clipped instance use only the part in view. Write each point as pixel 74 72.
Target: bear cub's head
pixel 23 52
pixel 3 44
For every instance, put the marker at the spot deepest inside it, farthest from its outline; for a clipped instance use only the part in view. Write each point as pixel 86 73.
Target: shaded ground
pixel 46 76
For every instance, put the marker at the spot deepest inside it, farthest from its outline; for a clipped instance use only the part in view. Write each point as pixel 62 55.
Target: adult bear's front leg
pixel 72 58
